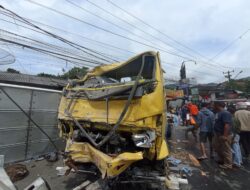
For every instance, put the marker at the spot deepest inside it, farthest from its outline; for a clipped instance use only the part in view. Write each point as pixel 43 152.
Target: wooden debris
pixel 194 160
pixel 203 173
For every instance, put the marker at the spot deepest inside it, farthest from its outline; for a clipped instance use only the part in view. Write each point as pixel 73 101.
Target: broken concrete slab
pixel 38 184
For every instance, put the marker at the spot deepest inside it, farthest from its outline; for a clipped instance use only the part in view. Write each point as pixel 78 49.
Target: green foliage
pixel 48 75
pixel 247 86
pixel 10 70
pixel 74 73
pixel 235 85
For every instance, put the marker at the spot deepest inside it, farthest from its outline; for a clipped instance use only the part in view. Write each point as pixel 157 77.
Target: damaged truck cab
pixel 115 116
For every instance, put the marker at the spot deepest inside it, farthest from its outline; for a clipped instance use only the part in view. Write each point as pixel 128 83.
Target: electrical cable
pixel 111 56
pixel 68 32
pixel 85 37
pixel 230 44
pixel 152 27
pixel 129 31
pixel 77 46
pixel 119 35
pixel 49 45
pixel 129 52
pixel 47 52
pixel 106 30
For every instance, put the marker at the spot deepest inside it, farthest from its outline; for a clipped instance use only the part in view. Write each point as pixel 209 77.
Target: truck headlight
pixel 145 139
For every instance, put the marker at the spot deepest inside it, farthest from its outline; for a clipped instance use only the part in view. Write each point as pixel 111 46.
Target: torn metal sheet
pixel 109 166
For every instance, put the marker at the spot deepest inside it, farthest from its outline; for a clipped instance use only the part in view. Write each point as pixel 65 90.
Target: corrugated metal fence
pixel 19 138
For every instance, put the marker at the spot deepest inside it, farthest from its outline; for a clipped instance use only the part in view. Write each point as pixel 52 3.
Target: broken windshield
pixel 119 81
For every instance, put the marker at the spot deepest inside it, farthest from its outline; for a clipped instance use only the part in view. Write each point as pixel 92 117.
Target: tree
pixel 235 85
pixel 247 86
pixel 75 73
pixel 47 75
pixel 10 70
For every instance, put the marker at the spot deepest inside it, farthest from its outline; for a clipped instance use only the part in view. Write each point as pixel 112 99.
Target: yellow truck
pixel 115 118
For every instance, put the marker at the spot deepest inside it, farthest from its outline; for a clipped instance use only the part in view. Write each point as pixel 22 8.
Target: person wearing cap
pixel 223 135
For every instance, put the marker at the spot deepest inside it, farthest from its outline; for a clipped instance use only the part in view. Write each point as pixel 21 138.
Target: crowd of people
pixel 226 128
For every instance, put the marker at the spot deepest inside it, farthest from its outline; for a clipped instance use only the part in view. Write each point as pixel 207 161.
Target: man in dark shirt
pixel 223 135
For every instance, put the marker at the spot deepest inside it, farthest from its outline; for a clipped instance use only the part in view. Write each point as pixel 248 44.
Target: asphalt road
pixel 47 170
pixel 214 178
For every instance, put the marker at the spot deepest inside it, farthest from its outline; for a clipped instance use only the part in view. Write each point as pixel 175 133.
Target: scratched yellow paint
pixel 147 112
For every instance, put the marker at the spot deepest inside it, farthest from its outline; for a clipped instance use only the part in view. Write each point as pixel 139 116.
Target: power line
pixel 97 26
pixel 119 35
pixel 134 26
pixel 238 74
pixel 71 33
pixel 17 60
pixel 72 44
pixel 152 27
pixel 47 35
pixel 173 64
pixel 112 23
pixel 58 55
pixel 61 54
pixel 63 50
pixel 230 44
pixel 106 30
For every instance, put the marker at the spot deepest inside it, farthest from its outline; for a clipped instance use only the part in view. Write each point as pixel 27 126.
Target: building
pixel 32 81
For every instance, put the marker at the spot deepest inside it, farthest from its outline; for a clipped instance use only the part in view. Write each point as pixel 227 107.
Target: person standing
pixel 223 135
pixel 236 128
pixel 184 112
pixel 205 121
pixel 244 118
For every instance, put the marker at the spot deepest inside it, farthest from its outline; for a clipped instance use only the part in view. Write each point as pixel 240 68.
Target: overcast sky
pixel 204 27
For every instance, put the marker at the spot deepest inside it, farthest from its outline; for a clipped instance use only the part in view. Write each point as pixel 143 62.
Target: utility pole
pixel 228 75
